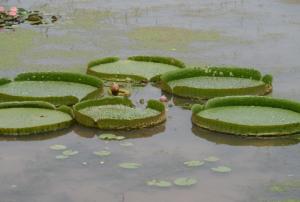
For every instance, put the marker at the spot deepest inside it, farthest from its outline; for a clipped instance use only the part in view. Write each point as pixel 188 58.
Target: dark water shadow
pixel 129 134
pixel 36 137
pixel 227 139
pixel 186 103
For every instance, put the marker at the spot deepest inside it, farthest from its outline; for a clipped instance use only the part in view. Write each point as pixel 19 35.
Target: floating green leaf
pixel 70 152
pixel 212 159
pixel 194 163
pixel 221 169
pixel 128 165
pixel 61 157
pixel 126 144
pixel 58 147
pixel 159 183
pixel 184 181
pixel 102 153
pixel 111 137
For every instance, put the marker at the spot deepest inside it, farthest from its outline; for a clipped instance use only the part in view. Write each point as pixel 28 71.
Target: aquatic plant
pixel 137 68
pixel 203 83
pixel 118 113
pixel 59 88
pixel 248 115
pixel 31 117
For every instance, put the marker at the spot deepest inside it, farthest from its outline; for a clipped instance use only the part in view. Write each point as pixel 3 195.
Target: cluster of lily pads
pixel 15 16
pixel 236 105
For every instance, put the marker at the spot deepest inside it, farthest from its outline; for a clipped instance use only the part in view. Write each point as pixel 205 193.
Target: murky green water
pixel 259 33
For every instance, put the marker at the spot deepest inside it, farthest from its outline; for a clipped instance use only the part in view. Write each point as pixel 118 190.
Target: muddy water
pixel 259 33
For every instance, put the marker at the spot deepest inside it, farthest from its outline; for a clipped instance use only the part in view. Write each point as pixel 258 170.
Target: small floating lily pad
pixel 159 183
pixel 111 137
pixel 70 152
pixel 126 144
pixel 194 163
pixel 102 153
pixel 59 88
pixel 203 83
pixel 137 68
pixel 61 157
pixel 221 169
pixel 118 113
pixel 58 147
pixel 130 165
pixel 184 181
pixel 32 117
pixel 211 159
pixel 249 116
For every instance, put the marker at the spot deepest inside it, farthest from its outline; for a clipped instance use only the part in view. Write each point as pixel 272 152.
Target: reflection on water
pixel 228 139
pixel 35 137
pixel 131 134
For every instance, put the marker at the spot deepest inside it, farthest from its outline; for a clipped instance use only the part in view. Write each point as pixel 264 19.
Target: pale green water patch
pixel 215 82
pixel 46 89
pixel 139 68
pixel 251 115
pixel 117 112
pixel 30 117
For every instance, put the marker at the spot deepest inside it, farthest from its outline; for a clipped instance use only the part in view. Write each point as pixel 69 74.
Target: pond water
pixel 259 33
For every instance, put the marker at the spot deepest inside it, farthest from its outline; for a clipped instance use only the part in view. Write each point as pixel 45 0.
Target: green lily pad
pixel 118 113
pixel 61 157
pixel 203 83
pixel 249 116
pixel 126 144
pixel 102 153
pixel 212 159
pixel 159 183
pixel 58 147
pixel 56 87
pixel 31 117
pixel 221 169
pixel 70 152
pixel 194 163
pixel 137 68
pixel 184 181
pixel 128 165
pixel 111 137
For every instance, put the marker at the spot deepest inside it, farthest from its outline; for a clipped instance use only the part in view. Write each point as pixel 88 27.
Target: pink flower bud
pixel 12 13
pixel 2 9
pixel 163 98
pixel 15 9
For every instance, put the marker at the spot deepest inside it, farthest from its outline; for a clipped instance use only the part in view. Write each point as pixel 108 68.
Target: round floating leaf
pixel 126 144
pixel 111 137
pixel 70 152
pixel 215 82
pixel 184 181
pixel 249 116
pixel 58 147
pixel 138 68
pixel 102 153
pixel 212 159
pixel 194 163
pixel 118 113
pixel 31 117
pixel 61 157
pixel 159 183
pixel 221 169
pixel 130 165
pixel 59 88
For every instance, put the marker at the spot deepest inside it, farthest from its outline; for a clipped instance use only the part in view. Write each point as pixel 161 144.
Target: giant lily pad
pixel 59 88
pixel 118 113
pixel 137 68
pixel 249 116
pixel 203 83
pixel 31 117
